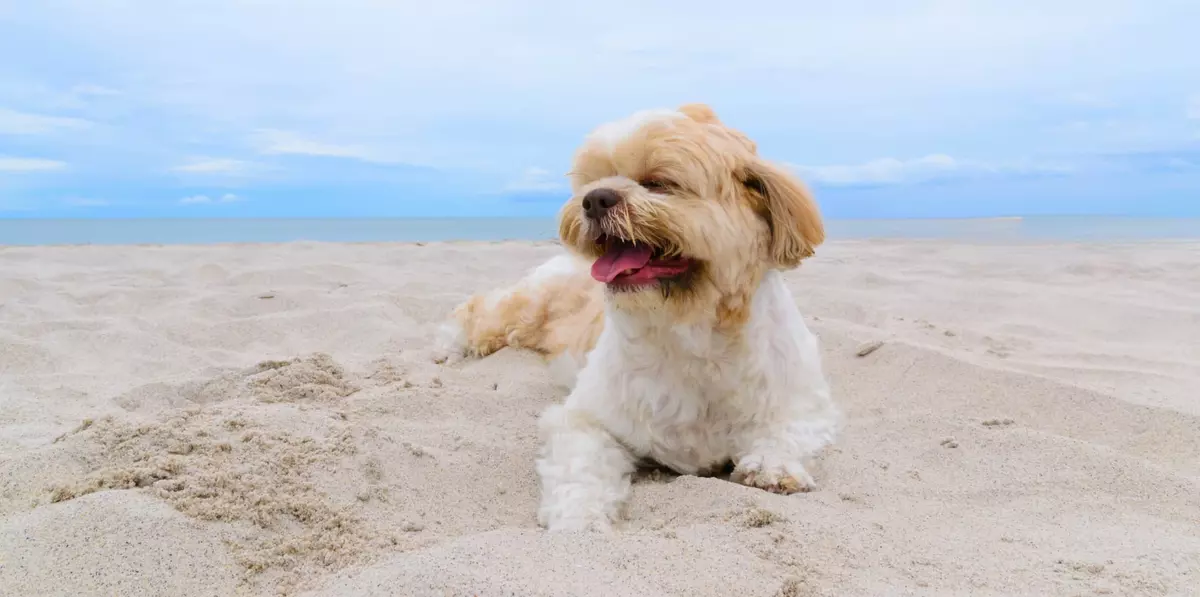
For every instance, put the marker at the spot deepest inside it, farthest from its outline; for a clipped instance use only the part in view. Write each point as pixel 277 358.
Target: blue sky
pixel 368 108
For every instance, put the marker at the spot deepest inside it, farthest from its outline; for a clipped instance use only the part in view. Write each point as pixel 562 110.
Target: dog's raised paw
pixel 779 480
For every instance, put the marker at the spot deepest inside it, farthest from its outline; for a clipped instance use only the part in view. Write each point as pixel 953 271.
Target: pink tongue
pixel 619 258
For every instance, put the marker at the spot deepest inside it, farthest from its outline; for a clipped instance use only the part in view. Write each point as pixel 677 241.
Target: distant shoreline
pixel 180 231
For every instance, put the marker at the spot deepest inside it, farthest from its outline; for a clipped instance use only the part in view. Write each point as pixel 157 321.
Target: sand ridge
pixel 265 419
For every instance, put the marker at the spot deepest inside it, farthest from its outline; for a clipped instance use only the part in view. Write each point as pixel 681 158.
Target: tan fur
pixel 732 211
pixel 563 314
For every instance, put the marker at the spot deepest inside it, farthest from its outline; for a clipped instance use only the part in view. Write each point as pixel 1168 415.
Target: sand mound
pixel 232 463
pixel 315 377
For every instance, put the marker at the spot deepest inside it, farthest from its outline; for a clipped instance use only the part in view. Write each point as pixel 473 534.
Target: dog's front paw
pixel 578 524
pixel 783 478
pixel 450 344
pixel 570 520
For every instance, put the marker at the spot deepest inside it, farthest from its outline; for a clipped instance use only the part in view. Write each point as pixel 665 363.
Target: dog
pixel 667 318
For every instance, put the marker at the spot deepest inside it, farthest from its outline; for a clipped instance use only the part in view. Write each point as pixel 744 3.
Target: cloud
pixel 353 88
pixel 8 164
pixel 13 122
pixel 1193 107
pixel 206 200
pixel 881 171
pixel 388 151
pixel 894 171
pixel 537 180
pixel 215 166
pixel 271 141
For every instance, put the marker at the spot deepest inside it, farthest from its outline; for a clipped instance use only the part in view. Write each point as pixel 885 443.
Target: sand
pixel 266 419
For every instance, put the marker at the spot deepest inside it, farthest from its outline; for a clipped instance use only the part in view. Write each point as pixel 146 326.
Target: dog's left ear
pixel 789 209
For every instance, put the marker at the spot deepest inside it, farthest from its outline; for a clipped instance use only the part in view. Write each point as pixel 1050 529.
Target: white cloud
pixel 882 171
pixel 537 180
pixel 1193 107
pixel 891 171
pixel 29 164
pixel 271 65
pixel 215 166
pixel 389 151
pixel 271 141
pixel 13 122
pixel 206 200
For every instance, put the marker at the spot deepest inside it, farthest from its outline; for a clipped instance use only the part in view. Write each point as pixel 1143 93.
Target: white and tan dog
pixel 668 318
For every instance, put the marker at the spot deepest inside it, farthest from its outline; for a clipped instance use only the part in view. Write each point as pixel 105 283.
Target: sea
pixel 212 231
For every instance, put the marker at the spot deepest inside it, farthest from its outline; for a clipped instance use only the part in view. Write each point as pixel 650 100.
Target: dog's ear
pixel 789 209
pixel 701 113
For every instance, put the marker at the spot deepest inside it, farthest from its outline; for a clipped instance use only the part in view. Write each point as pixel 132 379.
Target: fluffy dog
pixel 668 318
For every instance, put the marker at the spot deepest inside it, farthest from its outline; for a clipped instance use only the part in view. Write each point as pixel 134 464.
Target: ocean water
pixel 207 231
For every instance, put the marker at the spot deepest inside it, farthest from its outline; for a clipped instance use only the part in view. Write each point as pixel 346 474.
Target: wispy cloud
pixel 10 164
pixel 893 171
pixel 270 141
pixel 13 122
pixel 1193 107
pixel 215 166
pixel 537 180
pixel 388 151
pixel 206 200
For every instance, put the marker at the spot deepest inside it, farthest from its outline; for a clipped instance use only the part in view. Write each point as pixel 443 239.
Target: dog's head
pixel 677 210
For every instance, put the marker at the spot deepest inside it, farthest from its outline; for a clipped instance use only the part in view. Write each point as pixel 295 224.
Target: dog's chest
pixel 689 397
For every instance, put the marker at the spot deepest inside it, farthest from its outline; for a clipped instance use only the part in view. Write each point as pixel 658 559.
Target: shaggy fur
pixel 697 370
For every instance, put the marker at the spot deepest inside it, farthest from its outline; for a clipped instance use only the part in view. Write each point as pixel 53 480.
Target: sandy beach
pixel 190 421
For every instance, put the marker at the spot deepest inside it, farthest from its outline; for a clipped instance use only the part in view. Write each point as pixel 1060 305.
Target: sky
pixel 367 108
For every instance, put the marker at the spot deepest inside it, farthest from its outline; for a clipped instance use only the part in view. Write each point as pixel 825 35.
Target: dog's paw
pixel 784 479
pixel 559 521
pixel 578 524
pixel 449 346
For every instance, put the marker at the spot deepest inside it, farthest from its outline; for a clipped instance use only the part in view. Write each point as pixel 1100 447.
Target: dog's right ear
pixel 789 209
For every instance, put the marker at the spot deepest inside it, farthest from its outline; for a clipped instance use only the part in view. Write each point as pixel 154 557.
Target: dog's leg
pixel 585 473
pixel 525 314
pixel 483 324
pixel 774 458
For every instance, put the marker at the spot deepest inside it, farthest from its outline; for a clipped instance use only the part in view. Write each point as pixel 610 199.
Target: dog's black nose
pixel 597 202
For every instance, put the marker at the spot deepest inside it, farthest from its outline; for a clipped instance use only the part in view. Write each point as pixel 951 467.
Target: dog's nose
pixel 597 202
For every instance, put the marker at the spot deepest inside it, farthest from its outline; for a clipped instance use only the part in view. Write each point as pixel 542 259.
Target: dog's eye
pixel 756 184
pixel 655 185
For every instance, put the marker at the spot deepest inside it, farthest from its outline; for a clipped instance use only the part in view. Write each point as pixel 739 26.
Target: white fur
pixel 450 343
pixel 612 133
pixel 687 397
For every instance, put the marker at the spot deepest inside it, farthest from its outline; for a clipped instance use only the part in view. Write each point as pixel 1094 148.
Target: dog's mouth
pixel 624 263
